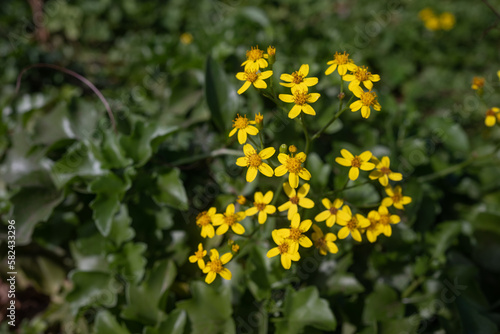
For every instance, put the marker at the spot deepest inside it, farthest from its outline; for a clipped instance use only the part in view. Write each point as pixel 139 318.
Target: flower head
pixel 292 164
pixel 229 219
pixel 297 198
pixel 244 128
pixel 204 220
pixel 477 83
pixel 383 172
pixel 262 206
pixel 324 242
pixel 255 60
pixel 198 256
pixel 395 198
pixel 254 161
pixel 352 225
pixel 361 75
pixel 374 229
pixel 492 117
pixel 235 248
pixel 426 13
pixel 301 98
pixel 386 219
pixel 342 61
pixel 271 54
pixel 186 38
pixel 259 120
pixel 288 250
pixel 216 266
pixel 254 78
pixel 296 231
pixel 447 21
pixel 366 100
pixel 297 80
pixel 241 200
pixel 356 163
pixel 332 212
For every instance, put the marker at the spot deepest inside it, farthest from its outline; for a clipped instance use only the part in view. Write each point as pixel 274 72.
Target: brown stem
pixel 41 33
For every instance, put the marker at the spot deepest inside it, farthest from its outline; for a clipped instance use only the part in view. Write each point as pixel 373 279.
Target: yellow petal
pixel 304 174
pixel 365 111
pixel 304 190
pixel 288 98
pixel 286 261
pixel 241 76
pixel 280 171
pixel 242 136
pixel 265 74
pixel 353 173
pixel 262 217
pixel 210 277
pixel 266 169
pixel 242 161
pixel 238 228
pixel 222 229
pixel 268 197
pixel 250 212
pixel 306 203
pixel 233 131
pixel 244 87
pixel 295 111
pixel 286 77
pixel 313 97
pixel 307 109
pixel 356 105
pixel 273 252
pixel 324 215
pixel 225 274
pixel 251 130
pixel 267 153
pixel 226 258
pixel 304 70
pixel 356 235
pixel 365 156
pixel 343 233
pixel 293 179
pixel 251 174
pixel 305 242
pixel 330 69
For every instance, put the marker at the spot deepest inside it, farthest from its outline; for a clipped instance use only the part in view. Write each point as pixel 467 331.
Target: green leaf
pixel 472 320
pixel 221 96
pixel 305 308
pixel 106 323
pixel 130 261
pixel 175 323
pixel 91 288
pixel 121 230
pixel 445 236
pixel 210 309
pixel 382 305
pixel 104 207
pixel 171 190
pixel 257 270
pixel 143 300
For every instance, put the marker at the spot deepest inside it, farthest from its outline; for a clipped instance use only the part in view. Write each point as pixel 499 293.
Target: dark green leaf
pixel 171 190
pixel 106 323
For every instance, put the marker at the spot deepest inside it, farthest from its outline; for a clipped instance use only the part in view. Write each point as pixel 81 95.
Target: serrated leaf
pixel 91 288
pixel 104 207
pixel 106 323
pixel 130 261
pixel 121 230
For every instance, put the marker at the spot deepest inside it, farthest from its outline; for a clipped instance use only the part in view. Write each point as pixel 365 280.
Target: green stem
pixel 446 171
pixel 261 140
pixel 413 286
pixel 337 115
pixel 221 151
pixel 306 134
pixel 333 192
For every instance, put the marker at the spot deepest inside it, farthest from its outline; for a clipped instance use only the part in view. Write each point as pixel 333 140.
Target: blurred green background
pixel 105 220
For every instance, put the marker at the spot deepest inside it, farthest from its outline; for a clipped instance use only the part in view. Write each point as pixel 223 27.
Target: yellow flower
pixel 215 266
pixel 355 162
pixel 297 80
pixel 253 77
pixel 395 198
pixel 352 225
pixel 296 231
pixel 296 198
pixel 255 60
pixel 292 149
pixel 301 98
pixel 432 23
pixel 271 51
pixel 204 220
pixel 186 38
pixel 447 21
pixel 374 230
pixel 293 165
pixel 288 250
pixel 229 219
pixel 241 200
pixel 261 205
pixel 361 75
pixel 426 13
pixel 259 119
pixel 477 83
pixel 198 256
pixel 253 161
pixel 384 173
pixel 498 75
pixel 235 248
pixel 492 116
pixel 343 62
pixel 332 212
pixel 366 100
pixel 242 125
pixel 386 219
pixel 324 242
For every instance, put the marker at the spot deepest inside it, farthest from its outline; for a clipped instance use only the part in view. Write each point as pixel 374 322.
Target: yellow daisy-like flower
pixel 356 163
pixel 492 117
pixel 216 266
pixel 426 13
pixel 352 225
pixel 296 198
pixel 332 211
pixel 296 231
pixel 241 200
pixel 271 51
pixel 395 198
pixel 297 80
pixel 262 206
pixel 254 78
pixel 301 98
pixel 447 21
pixel 288 250
pixel 432 23
pixel 204 220
pixel 259 120
pixel 253 161
pixel 235 248
pixel 361 75
pixel 477 83
pixel 383 172
pixel 198 256
pixel 342 61
pixel 255 60
pixel 244 128
pixel 324 242
pixel 366 100
pixel 374 229
pixel 386 219
pixel 292 164
pixel 229 219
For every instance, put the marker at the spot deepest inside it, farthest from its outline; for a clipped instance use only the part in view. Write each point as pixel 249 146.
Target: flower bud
pixel 283 148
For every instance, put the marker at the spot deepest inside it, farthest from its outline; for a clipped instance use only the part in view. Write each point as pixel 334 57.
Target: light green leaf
pixel 91 288
pixel 130 261
pixel 106 323
pixel 171 190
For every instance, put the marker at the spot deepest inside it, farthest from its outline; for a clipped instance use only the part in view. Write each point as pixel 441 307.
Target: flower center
pixel 259 118
pixel 252 76
pixel 333 210
pixel 356 162
pixel 199 254
pixel 385 170
pixel 254 160
pixel 320 243
pixel 203 219
pixel 341 59
pixel 240 122
pixel 216 265
pixel 384 220
pixel 260 206
pixel 397 198
pixel 478 81
pixel 294 200
pixel 300 98
pixel 352 224
pixel 283 248
pixel 368 98
pixel 293 165
pixel 297 77
pixel 230 219
pixel 295 233
pixel 373 224
pixel 362 74
pixel 254 54
pixel 490 112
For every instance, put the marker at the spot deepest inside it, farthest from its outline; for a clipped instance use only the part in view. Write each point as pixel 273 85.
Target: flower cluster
pixel 433 22
pixel 492 114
